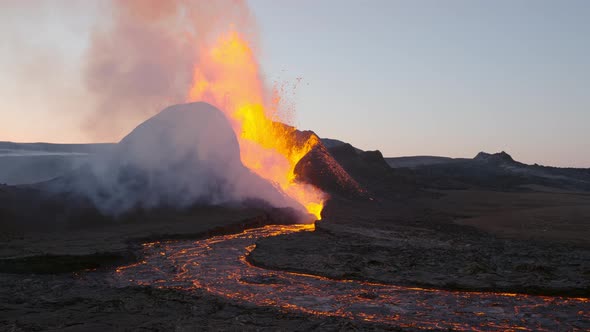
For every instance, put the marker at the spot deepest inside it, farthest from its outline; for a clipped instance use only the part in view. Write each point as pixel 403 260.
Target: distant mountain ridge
pixel 333 143
pixel 491 170
pixel 25 163
pixel 57 147
pixel 416 161
pixel 501 171
pixel 497 171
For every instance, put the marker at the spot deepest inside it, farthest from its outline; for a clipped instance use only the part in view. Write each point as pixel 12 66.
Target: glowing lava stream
pixel 228 76
pixel 219 265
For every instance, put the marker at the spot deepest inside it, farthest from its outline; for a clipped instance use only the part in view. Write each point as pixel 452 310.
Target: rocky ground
pixel 71 303
pixel 498 233
pixel 44 285
pixel 414 242
pixel 67 249
pixel 423 244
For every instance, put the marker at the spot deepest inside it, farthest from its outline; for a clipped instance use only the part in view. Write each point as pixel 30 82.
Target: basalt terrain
pixel 510 228
pixel 484 224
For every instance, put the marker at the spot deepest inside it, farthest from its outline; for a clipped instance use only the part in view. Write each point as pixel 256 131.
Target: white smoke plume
pixel 187 154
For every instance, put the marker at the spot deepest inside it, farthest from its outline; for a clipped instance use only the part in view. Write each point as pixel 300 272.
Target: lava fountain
pixel 227 76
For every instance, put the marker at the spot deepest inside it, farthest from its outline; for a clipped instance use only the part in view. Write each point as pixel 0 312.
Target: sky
pixel 448 78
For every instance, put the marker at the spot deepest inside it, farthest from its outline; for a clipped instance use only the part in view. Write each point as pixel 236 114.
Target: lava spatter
pixel 227 76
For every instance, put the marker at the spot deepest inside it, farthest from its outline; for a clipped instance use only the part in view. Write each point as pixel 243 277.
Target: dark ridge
pixel 417 161
pixel 320 169
pixel 330 143
pixel 372 172
pixel 495 157
pixel 499 171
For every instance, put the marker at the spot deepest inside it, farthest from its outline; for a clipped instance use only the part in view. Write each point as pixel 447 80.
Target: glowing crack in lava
pixel 227 75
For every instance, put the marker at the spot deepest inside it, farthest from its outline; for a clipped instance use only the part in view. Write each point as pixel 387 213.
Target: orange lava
pixel 227 75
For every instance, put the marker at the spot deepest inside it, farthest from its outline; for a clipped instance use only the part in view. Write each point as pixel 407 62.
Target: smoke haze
pixel 142 58
pixel 120 62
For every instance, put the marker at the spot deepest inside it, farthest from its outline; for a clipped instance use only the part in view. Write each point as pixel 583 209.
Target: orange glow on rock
pixel 227 75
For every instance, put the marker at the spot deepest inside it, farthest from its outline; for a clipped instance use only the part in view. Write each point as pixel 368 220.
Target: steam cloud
pixel 186 154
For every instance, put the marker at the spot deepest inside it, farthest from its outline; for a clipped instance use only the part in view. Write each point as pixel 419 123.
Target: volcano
pixel 189 154
pixel 385 236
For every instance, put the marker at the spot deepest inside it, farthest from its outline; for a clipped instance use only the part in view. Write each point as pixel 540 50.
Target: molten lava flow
pixel 227 76
pixel 220 266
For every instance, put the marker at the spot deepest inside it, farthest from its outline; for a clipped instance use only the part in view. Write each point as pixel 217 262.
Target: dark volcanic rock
pixel 319 168
pixel 443 256
pixel 332 143
pixel 361 164
pixel 75 245
pixel 71 303
pixel 372 172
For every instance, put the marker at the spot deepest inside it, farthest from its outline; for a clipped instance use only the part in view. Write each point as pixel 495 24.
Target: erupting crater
pixel 227 75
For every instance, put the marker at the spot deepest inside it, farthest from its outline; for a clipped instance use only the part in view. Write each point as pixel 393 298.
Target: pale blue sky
pixel 439 77
pixel 406 77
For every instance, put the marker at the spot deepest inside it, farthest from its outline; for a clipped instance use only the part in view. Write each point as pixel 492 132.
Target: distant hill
pixel 333 143
pixel 25 163
pixel 6 147
pixel 500 171
pixel 371 171
pixel 416 161
pixel 495 171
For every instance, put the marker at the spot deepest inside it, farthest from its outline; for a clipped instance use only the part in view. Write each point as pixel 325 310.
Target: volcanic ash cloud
pixel 187 154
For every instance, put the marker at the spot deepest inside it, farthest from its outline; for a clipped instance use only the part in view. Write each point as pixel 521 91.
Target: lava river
pixel 218 265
